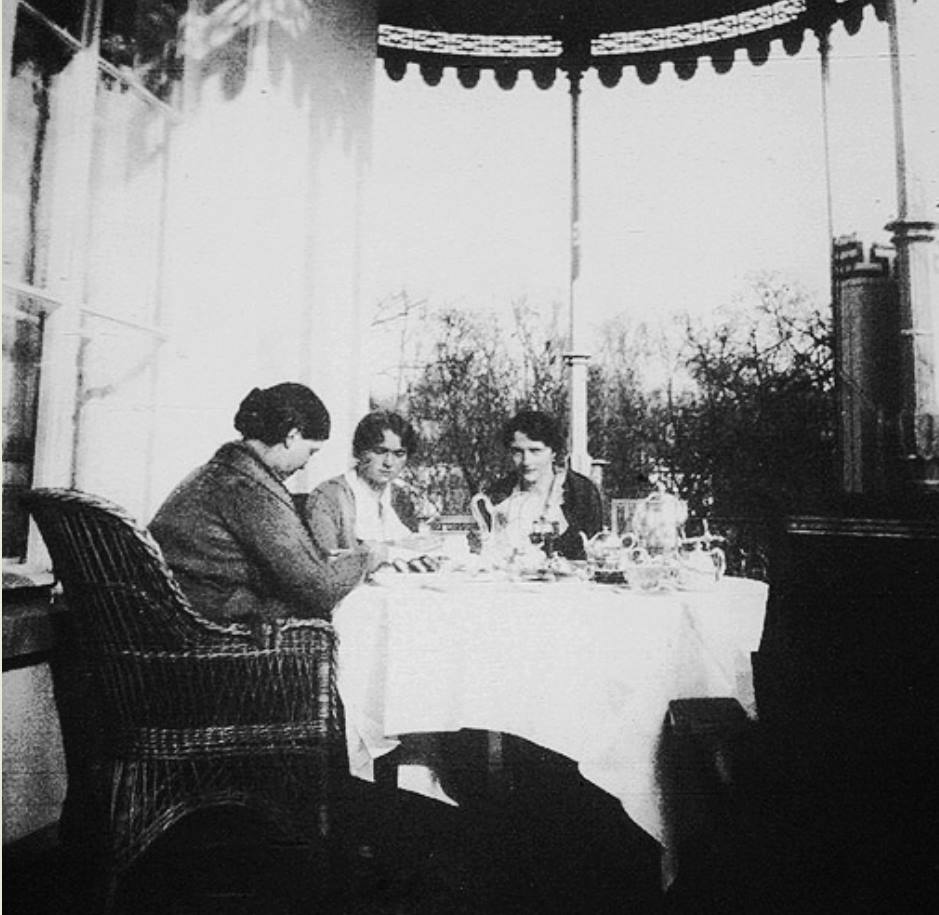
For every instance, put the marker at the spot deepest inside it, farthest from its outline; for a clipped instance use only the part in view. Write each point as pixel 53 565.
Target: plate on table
pixel 702 587
pixel 536 575
pixel 392 578
pixel 564 573
pixel 441 580
pixel 609 577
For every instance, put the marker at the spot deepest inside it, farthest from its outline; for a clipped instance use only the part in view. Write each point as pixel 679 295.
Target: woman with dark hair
pixel 366 503
pixel 230 531
pixel 541 497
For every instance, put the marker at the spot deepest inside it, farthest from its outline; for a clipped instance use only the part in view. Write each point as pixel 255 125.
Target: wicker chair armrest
pixel 294 632
pixel 237 687
pixel 118 610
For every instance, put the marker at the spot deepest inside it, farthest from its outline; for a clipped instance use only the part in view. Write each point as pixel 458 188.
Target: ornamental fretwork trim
pixel 645 49
pixel 773 15
pixel 461 45
pixel 710 31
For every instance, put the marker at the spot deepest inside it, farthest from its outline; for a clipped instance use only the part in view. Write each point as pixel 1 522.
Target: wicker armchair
pixel 164 712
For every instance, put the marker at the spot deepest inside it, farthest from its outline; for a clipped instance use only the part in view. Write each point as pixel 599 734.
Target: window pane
pixel 22 350
pixel 145 36
pixel 41 61
pixel 128 172
pixel 115 411
pixel 66 14
pixel 33 142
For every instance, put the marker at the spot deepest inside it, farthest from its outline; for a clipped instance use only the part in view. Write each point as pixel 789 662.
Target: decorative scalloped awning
pixel 547 36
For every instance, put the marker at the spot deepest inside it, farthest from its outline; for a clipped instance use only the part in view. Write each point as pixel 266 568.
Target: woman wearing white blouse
pixel 365 504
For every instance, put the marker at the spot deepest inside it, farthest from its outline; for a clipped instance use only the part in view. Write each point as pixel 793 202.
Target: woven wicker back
pixel 114 575
pixel 164 712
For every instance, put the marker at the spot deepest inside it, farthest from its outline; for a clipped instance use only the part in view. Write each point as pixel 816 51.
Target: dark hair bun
pixel 249 420
pixel 269 414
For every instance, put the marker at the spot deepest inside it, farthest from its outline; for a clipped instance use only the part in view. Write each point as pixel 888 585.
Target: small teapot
pixel 501 544
pixel 605 549
pixel 702 567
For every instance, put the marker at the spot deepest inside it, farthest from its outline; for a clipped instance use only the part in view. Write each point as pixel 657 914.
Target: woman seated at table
pixel 366 503
pixel 230 532
pixel 540 494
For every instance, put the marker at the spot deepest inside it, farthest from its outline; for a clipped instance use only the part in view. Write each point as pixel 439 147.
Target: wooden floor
pixel 551 845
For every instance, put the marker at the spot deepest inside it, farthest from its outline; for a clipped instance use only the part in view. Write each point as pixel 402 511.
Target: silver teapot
pixel 658 523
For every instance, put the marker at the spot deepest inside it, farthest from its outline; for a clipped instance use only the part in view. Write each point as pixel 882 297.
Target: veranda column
pixel 576 359
pixel 867 365
pixel 263 206
pixel 914 27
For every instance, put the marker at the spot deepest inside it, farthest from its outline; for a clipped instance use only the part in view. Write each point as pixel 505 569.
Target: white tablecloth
pixel 583 669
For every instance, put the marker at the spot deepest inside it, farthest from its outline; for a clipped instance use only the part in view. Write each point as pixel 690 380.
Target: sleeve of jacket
pixel 274 536
pixel 324 518
pixel 589 506
pixel 583 509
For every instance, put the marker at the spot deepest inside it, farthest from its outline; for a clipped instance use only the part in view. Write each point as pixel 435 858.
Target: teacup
pixel 646 576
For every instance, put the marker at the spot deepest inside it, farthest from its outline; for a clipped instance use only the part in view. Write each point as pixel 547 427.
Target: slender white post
pixel 913 28
pixel 576 359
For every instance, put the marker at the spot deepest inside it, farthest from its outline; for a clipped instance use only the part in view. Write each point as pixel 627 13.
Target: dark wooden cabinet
pixel 846 687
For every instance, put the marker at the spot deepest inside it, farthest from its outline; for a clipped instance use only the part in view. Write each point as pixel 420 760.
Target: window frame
pixel 60 302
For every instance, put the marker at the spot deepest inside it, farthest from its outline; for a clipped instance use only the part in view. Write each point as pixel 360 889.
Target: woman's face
pixel 533 460
pixel 382 463
pixel 294 454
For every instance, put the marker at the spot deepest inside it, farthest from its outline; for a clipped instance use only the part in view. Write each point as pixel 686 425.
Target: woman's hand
pixel 429 544
pixel 422 563
pixel 401 559
pixel 378 554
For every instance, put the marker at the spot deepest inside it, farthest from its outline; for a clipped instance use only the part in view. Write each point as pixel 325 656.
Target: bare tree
pixel 399 342
pixel 479 374
pixel 463 396
pixel 631 389
pixel 736 409
pixel 541 343
pixel 759 433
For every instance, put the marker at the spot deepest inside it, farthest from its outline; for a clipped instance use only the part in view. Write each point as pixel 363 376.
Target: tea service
pixel 523 551
pixel 656 555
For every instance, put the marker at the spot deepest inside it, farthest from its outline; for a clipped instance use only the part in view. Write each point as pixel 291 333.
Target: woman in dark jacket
pixel 230 531
pixel 540 494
